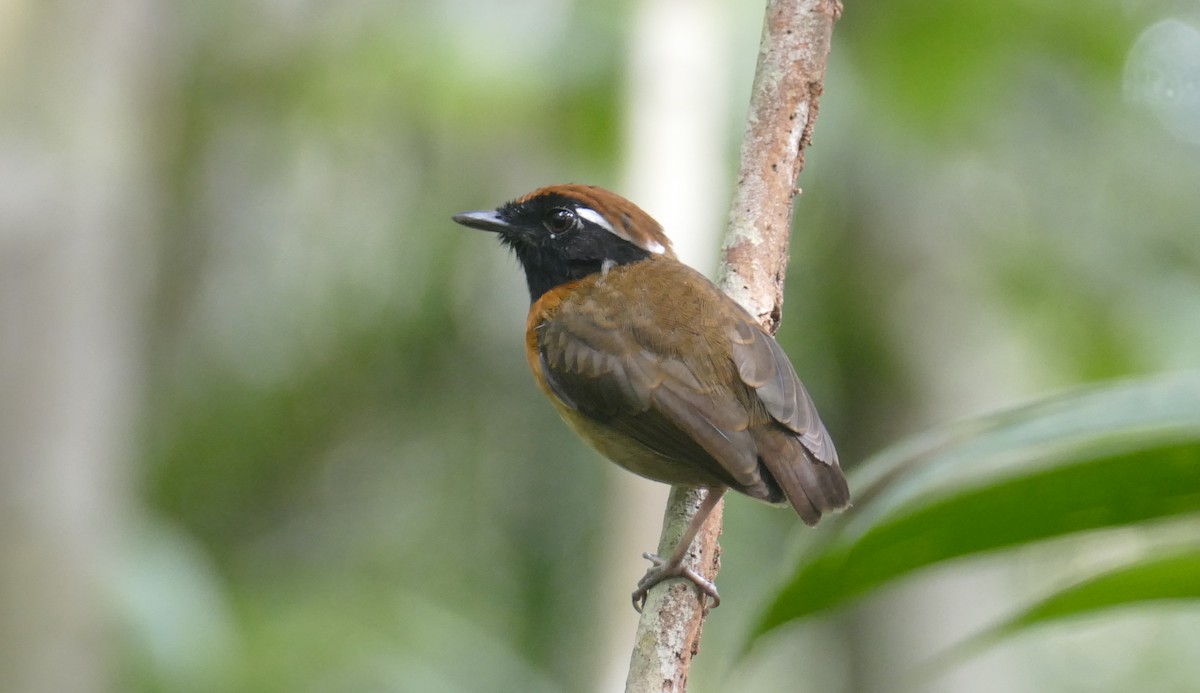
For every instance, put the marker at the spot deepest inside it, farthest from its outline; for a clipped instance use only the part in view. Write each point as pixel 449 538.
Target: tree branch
pixel 784 102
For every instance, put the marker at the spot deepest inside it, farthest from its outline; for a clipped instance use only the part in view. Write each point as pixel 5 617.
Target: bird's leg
pixel 663 569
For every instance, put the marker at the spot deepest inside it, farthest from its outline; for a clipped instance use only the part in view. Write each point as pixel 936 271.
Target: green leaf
pixel 1172 577
pixel 1104 457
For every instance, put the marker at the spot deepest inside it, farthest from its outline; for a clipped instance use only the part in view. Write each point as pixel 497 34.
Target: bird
pixel 658 369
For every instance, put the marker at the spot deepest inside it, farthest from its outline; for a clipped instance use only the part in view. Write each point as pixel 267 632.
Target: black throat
pixel 547 267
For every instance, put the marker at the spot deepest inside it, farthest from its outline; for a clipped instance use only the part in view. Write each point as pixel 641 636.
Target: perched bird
pixel 655 367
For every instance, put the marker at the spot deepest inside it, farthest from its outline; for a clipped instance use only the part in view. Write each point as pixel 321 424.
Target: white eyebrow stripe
pixel 598 219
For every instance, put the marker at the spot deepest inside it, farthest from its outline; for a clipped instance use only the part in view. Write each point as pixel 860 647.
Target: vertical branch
pixel 668 633
pixel 784 102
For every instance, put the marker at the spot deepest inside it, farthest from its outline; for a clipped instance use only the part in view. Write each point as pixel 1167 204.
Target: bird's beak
pixel 487 220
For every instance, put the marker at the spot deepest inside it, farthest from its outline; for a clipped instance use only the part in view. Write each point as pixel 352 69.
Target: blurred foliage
pixel 1170 577
pixel 1106 458
pixel 350 483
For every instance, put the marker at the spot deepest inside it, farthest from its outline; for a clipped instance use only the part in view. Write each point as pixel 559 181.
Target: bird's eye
pixel 561 220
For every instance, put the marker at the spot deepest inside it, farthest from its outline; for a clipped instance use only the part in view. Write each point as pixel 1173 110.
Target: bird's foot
pixel 663 570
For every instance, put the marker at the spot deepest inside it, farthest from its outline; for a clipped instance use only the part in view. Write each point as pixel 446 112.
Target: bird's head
pixel 561 233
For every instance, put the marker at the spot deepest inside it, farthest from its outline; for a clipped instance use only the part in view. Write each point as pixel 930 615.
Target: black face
pixel 555 240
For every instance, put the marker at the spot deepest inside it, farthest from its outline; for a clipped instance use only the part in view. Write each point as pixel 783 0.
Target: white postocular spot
pixel 598 219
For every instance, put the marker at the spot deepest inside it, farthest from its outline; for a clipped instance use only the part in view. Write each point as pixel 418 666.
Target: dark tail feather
pixel 812 487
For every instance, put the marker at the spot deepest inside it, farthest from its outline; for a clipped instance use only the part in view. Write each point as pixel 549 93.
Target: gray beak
pixel 487 220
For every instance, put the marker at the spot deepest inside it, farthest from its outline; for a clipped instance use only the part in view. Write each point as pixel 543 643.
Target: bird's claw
pixel 661 570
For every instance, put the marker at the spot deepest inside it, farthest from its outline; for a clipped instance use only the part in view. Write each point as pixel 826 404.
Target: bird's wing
pixel 619 380
pixel 797 450
pixel 763 366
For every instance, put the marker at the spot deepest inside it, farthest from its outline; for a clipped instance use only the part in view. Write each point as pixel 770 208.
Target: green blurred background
pixel 266 424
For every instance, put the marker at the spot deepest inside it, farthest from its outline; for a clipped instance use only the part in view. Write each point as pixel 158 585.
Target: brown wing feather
pixel 763 366
pixel 616 350
pixel 651 398
pixel 795 448
pixel 689 375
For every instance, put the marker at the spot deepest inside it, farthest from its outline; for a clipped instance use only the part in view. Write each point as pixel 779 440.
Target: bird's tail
pixel 811 486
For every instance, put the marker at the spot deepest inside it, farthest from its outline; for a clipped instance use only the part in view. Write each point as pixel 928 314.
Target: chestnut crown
pixel 561 233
